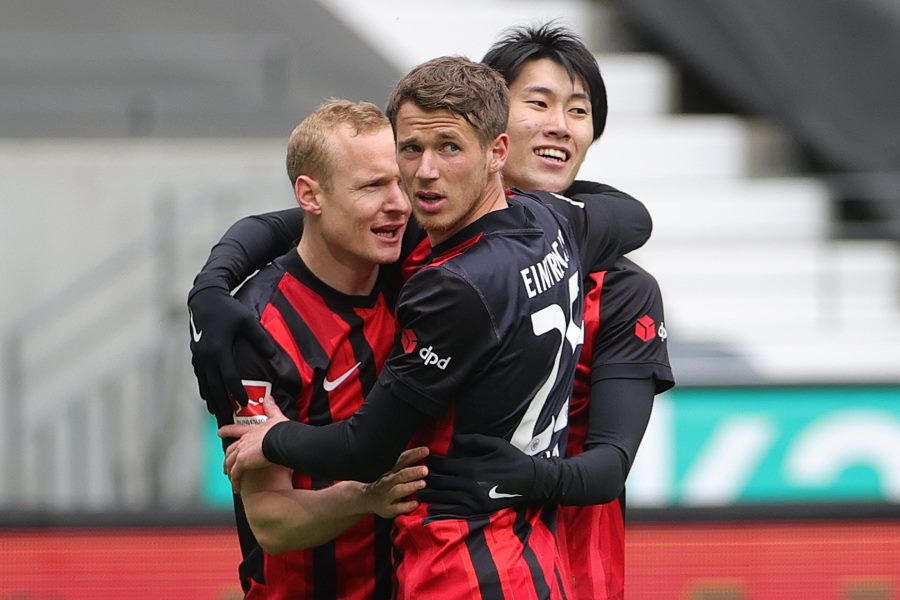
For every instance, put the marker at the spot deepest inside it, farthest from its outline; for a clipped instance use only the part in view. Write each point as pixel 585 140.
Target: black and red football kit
pixel 491 328
pixel 623 364
pixel 331 347
pixel 625 339
pixel 537 278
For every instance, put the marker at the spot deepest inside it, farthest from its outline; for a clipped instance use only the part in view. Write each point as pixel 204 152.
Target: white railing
pixel 100 407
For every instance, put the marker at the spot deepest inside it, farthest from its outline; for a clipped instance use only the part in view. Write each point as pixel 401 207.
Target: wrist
pixel 543 485
pixel 207 283
pixel 271 445
pixel 353 495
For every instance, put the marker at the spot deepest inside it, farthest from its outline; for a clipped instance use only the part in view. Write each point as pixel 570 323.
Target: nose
pixel 557 125
pixel 397 200
pixel 427 168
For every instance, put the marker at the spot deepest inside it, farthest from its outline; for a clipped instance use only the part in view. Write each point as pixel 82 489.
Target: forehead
pixel 364 152
pixel 546 74
pixel 413 122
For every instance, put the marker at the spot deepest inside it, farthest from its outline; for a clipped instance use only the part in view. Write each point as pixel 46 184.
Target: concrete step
pixel 729 210
pixel 828 358
pixel 638 84
pixel 688 148
pixel 747 290
pixel 407 32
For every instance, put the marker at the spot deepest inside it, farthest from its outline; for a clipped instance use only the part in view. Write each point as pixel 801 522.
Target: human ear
pixel 499 151
pixel 306 191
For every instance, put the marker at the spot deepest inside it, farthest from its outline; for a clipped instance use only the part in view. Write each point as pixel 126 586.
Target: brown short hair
pixel 309 147
pixel 472 90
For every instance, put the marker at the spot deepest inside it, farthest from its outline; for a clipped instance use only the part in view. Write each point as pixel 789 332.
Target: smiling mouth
pixel 389 233
pixel 552 153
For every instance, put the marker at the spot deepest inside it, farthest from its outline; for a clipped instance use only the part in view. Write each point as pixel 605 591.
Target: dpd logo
pixel 430 358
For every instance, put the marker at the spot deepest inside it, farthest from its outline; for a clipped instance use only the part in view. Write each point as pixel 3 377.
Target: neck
pixel 493 197
pixel 347 274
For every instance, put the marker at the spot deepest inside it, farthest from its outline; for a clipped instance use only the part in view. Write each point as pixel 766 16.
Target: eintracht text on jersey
pixel 549 271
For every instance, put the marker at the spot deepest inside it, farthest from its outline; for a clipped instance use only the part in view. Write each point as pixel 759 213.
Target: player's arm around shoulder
pixel 285 519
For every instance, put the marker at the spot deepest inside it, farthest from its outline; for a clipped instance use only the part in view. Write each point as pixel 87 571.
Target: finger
pixel 231 379
pixel 475 443
pixel 449 466
pixel 236 474
pixel 409 474
pixel 212 390
pixel 410 457
pixel 230 458
pixel 233 431
pixel 450 483
pixel 272 409
pixel 258 337
pixel 401 508
pixel 402 490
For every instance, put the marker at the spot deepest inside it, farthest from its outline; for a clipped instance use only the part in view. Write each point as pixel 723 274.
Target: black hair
pixel 523 44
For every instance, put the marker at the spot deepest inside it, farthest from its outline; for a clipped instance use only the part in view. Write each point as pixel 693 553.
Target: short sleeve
pixel 632 342
pixel 446 330
pixel 261 376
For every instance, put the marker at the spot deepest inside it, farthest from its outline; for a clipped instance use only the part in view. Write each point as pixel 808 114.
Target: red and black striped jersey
pixel 491 334
pixel 331 347
pixel 625 336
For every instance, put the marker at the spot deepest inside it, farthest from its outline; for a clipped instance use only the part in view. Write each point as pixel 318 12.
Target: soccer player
pixel 326 306
pixel 557 110
pixel 507 267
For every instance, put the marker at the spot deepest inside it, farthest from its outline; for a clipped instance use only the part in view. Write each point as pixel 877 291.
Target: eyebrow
pixel 540 89
pixel 440 135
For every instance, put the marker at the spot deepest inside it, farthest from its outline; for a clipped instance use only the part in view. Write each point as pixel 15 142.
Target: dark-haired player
pixel 557 110
pixel 492 330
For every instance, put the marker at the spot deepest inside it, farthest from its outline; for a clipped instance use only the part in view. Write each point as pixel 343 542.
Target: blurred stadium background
pixel 764 137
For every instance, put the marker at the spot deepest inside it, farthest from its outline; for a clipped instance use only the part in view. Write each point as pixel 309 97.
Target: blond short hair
pixel 310 149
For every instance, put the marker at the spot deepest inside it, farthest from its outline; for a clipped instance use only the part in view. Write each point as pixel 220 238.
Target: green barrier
pixel 216 487
pixel 726 446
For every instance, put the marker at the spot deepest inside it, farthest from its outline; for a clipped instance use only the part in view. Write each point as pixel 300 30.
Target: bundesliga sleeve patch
pixel 253 413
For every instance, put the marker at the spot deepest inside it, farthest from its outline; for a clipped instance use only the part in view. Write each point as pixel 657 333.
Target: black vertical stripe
pixel 559 582
pixel 325 571
pixel 485 568
pixel 324 563
pixel 313 354
pixel 382 555
pixel 396 557
pixel 522 529
pixel 368 373
pixel 252 566
pixel 326 557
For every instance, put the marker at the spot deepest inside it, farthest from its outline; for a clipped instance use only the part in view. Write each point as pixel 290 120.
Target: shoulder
pixel 258 289
pixel 581 189
pixel 629 274
pixel 550 201
pixel 439 284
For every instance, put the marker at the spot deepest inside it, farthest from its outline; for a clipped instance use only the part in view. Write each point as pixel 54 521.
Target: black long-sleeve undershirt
pixel 249 244
pixel 361 448
pixel 253 241
pixel 619 413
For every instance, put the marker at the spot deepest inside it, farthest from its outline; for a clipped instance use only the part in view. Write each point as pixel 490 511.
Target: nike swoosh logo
pixel 194 333
pixel 330 385
pixel 494 494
